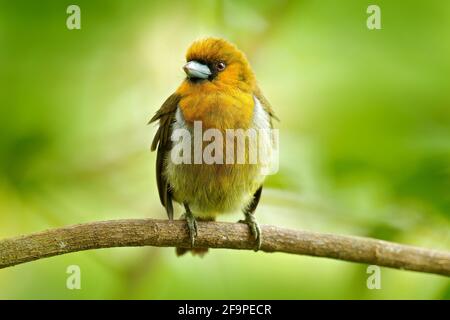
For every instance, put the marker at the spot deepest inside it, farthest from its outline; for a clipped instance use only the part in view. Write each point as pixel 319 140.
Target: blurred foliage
pixel 364 131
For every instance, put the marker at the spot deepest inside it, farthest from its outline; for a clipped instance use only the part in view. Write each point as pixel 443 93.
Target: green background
pixel 364 139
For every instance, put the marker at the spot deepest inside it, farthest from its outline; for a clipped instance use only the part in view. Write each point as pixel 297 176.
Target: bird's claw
pixel 255 230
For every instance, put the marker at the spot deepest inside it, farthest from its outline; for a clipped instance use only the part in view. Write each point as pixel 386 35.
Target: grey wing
pixel 252 206
pixel 163 144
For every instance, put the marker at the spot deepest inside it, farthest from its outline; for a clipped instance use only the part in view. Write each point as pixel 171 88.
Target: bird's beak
pixel 196 70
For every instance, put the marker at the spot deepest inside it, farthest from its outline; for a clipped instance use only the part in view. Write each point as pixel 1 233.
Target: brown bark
pixel 164 233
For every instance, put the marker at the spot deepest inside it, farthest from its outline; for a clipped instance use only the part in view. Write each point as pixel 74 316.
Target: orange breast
pixel 217 107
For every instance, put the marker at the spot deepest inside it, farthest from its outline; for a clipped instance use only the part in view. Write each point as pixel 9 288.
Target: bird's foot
pixel 192 225
pixel 255 230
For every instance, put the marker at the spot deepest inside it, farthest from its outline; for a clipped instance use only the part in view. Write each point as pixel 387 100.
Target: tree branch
pixel 164 233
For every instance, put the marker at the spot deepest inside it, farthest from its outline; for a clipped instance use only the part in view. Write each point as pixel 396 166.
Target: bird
pixel 219 91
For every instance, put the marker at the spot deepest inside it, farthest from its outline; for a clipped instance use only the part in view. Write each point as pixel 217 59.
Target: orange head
pixel 219 86
pixel 217 61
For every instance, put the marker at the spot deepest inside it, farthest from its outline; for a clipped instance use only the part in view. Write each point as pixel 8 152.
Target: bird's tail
pixel 195 251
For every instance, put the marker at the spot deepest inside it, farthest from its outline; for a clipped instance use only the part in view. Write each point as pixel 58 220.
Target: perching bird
pixel 220 92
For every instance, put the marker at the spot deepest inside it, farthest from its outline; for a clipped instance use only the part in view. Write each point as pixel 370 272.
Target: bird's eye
pixel 221 66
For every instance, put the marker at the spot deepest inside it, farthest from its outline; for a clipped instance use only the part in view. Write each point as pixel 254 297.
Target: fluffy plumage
pixel 228 98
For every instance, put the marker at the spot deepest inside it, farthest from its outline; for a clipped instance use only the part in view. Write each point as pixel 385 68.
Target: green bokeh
pixel 364 139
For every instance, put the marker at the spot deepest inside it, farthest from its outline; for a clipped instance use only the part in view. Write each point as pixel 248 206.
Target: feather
pixel 252 206
pixel 265 103
pixel 162 143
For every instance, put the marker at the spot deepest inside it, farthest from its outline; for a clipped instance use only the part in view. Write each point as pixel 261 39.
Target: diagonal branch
pixel 164 233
